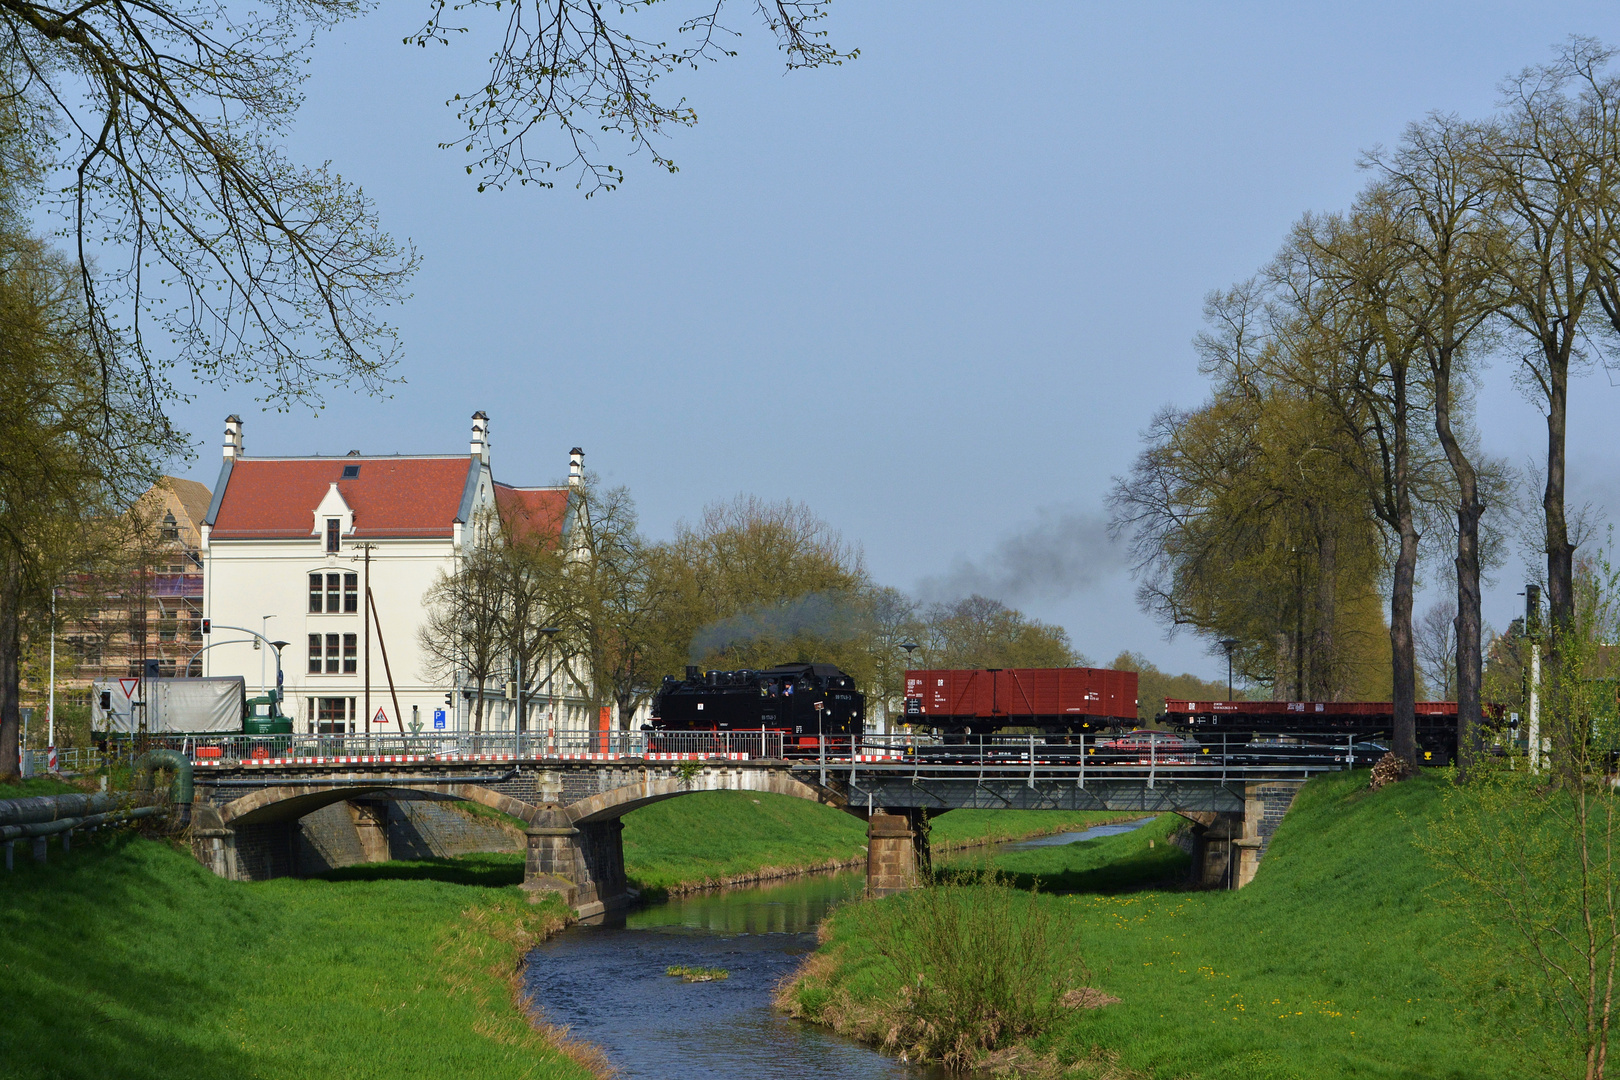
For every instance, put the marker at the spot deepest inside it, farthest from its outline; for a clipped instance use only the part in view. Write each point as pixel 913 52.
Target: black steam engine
pixel 802 701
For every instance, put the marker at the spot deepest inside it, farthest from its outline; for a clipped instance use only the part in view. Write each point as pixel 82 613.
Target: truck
pixel 216 705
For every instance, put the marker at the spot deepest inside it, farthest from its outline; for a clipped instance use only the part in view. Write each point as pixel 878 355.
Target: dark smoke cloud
pixel 1062 553
pixel 831 616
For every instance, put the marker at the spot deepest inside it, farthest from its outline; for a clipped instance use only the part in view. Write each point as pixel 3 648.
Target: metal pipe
pixel 43 808
pixel 63 825
pixel 182 790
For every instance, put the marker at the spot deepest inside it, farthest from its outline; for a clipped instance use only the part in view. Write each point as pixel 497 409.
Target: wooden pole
pixel 383 645
pixel 366 619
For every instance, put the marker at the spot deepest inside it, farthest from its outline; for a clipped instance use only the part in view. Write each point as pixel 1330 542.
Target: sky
pixel 936 293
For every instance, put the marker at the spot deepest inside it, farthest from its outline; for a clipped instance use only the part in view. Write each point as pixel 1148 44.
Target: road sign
pixel 438 719
pixel 380 718
pixel 128 686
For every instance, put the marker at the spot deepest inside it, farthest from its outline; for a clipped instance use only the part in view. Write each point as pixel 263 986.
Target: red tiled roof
pixel 527 511
pixel 270 498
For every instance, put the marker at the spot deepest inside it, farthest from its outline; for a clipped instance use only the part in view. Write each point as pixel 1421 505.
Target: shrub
pixel 975 968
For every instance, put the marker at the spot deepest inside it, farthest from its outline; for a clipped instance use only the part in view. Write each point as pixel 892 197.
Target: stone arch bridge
pixel 246 814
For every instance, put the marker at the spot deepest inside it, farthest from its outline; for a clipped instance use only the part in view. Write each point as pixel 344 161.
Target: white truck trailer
pixel 182 706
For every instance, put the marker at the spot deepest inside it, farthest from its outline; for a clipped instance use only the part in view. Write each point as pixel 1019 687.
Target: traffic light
pixel 450 699
pixel 207 625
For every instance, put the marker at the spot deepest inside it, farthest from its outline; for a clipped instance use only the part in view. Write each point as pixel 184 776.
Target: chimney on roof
pixel 480 436
pixel 576 467
pixel 233 437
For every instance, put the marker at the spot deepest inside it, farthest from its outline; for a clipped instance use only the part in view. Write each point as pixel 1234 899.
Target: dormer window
pixel 350 472
pixel 332 525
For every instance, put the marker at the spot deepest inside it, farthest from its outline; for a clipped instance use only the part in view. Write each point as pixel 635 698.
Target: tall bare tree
pixel 168 117
pixel 464 635
pixel 1346 340
pixel 1453 245
pixel 1553 163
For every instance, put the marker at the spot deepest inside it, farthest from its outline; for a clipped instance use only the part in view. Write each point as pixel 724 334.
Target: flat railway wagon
pixel 800 701
pixel 1238 721
pixel 1054 701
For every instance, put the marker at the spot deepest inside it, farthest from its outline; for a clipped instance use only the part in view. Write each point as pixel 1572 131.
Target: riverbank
pixel 127 959
pixel 723 839
pixel 1331 964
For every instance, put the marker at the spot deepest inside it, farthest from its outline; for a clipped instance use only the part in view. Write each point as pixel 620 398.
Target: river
pixel 606 982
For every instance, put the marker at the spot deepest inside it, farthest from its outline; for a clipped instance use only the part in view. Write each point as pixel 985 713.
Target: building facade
pixel 148 607
pixel 292 549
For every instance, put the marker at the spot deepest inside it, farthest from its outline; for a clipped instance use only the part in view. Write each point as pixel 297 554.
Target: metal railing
pixel 1077 758
pixel 1083 757
pixel 207 749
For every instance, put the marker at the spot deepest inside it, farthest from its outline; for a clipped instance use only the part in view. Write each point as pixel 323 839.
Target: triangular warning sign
pixel 128 686
pixel 380 718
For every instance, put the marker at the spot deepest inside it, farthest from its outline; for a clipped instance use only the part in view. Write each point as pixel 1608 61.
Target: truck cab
pixel 264 717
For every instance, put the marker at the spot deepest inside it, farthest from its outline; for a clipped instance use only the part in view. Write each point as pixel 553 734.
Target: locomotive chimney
pixel 480 436
pixel 692 673
pixel 576 467
pixel 233 437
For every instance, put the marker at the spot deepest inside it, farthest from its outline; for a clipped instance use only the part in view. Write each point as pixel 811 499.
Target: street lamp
pixel 1229 644
pixel 910 647
pixel 549 632
pixel 264 624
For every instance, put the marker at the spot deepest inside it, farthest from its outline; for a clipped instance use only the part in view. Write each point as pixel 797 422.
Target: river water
pixel 606 983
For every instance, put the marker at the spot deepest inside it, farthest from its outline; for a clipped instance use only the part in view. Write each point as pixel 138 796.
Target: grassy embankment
pixel 729 837
pixel 1328 965
pixel 127 959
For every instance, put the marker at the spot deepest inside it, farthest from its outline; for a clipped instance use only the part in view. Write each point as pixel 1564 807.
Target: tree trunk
pixel 478 709
pixel 1324 685
pixel 1470 667
pixel 10 669
pixel 1404 656
pixel 1560 558
pixel 1402 652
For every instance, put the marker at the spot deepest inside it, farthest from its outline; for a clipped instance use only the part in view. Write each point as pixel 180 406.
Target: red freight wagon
pixel 967 700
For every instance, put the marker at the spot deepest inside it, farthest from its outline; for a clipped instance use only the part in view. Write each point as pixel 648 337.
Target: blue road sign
pixel 438 719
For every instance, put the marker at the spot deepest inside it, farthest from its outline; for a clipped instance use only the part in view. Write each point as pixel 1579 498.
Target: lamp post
pixel 910 647
pixel 1229 644
pixel 1532 632
pixel 549 632
pixel 50 704
pixel 264 624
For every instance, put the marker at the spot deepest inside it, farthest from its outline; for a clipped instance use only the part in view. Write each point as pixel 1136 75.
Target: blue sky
pixel 935 293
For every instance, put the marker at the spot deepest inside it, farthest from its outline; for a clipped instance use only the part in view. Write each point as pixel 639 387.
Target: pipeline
pixel 68 824
pixel 182 790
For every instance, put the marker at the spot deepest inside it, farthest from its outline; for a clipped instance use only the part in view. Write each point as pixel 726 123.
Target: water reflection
pixel 1060 839
pixel 607 983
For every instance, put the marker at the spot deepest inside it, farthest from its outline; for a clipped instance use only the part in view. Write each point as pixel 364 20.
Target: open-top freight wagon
pixel 1238 721
pixel 1054 701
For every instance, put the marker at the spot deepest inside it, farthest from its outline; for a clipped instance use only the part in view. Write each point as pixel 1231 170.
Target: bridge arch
pixel 616 802
pixel 289 802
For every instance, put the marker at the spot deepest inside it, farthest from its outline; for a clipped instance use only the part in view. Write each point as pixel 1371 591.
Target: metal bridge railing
pixel 210 749
pixel 1078 758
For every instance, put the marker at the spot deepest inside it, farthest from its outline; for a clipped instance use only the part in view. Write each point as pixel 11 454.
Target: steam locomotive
pixel 802 701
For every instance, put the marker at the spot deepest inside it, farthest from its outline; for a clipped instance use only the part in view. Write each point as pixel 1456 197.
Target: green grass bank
pixel 729 837
pixel 127 959
pixel 1329 965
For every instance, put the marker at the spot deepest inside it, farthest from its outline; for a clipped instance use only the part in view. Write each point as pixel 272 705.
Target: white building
pixel 290 546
